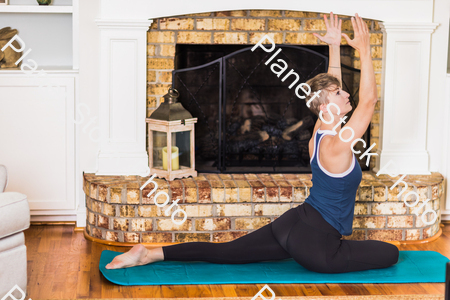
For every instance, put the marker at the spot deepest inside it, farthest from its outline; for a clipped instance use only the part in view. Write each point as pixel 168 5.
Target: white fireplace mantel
pixel 407 27
pixel 405 89
pixel 384 10
pixel 123 85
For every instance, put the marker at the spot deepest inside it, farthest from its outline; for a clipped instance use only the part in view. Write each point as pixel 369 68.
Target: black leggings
pixel 300 233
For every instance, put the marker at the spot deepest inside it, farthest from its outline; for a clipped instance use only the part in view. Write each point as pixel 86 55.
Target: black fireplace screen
pixel 249 120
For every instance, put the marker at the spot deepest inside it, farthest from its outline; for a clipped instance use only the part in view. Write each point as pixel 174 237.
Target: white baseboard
pixel 54 218
pixel 81 218
pixel 446 216
pixel 60 215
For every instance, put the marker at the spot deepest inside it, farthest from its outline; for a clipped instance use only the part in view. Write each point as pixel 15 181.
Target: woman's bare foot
pixel 137 256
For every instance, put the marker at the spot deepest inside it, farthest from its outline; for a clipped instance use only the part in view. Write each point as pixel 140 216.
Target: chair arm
pixel 14 213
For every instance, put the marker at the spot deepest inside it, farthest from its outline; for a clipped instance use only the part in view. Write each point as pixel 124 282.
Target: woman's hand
pixel 333 35
pixel 361 41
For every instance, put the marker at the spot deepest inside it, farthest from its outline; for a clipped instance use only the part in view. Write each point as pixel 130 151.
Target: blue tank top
pixel 333 195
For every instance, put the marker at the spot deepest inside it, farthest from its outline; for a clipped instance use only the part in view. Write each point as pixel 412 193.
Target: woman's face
pixel 341 98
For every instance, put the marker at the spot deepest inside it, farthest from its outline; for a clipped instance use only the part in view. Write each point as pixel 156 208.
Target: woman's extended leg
pixel 259 245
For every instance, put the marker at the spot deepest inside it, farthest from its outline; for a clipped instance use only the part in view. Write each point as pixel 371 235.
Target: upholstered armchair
pixel 14 219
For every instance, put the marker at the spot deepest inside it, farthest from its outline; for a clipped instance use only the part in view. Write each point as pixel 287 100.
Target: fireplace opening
pixel 249 120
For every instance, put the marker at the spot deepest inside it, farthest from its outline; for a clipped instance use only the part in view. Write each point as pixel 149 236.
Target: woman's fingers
pixel 326 21
pixel 355 26
pixel 359 22
pixel 334 20
pixel 318 36
pixel 346 38
pixel 365 26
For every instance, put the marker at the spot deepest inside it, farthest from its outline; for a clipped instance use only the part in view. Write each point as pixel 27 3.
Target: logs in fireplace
pixel 249 121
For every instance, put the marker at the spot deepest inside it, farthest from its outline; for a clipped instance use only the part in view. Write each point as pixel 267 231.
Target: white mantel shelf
pixel 44 9
pixel 387 11
pixel 47 69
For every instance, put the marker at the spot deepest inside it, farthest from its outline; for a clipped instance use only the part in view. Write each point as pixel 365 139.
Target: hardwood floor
pixel 63 265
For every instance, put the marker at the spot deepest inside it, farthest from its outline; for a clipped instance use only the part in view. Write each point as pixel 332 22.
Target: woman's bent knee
pixel 392 255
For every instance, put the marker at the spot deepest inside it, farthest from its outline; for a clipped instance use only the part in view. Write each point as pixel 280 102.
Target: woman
pixel 310 233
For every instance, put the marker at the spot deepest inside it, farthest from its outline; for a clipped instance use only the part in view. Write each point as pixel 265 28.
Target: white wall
pixel 445 205
pixel 448 54
pixel 438 109
pixel 438 70
pixel 87 149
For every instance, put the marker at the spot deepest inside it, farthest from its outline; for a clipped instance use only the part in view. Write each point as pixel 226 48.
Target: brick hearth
pixel 226 206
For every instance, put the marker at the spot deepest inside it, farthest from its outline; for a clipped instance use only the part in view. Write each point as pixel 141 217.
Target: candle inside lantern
pixel 175 164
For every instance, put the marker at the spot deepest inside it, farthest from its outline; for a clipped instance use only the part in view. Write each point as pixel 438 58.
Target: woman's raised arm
pixel 361 42
pixel 333 39
pixel 362 115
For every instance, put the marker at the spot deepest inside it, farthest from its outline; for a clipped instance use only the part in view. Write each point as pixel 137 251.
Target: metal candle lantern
pixel 171 139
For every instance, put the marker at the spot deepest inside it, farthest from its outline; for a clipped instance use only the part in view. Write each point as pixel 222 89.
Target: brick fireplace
pixel 247 27
pixel 222 207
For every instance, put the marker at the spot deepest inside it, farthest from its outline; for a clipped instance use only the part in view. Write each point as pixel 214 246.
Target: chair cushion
pixel 13 266
pixel 14 213
pixel 12 241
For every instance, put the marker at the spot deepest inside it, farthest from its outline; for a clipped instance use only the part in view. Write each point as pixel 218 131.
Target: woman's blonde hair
pixel 323 82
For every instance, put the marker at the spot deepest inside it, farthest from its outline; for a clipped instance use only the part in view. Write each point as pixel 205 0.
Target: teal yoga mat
pixel 412 266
